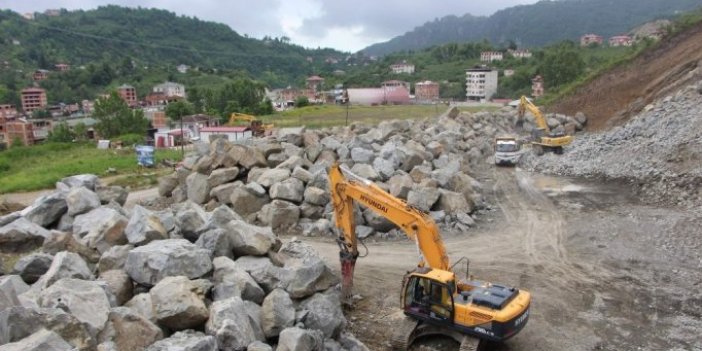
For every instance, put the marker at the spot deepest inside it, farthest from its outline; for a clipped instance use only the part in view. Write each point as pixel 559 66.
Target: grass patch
pixel 28 168
pixel 320 116
pixel 473 109
pixel 141 180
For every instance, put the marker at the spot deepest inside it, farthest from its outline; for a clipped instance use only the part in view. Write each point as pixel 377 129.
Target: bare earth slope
pixel 614 97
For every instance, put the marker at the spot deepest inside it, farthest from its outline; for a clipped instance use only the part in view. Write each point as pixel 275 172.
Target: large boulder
pixel 273 176
pixel 42 340
pixel 384 168
pixel 32 267
pixel 11 287
pixel 142 305
pixel 118 284
pixel 316 196
pixel 21 235
pixel 400 185
pixel 423 198
pixel 247 239
pixel 223 193
pixel 230 324
pixel 453 202
pixel 46 210
pixel 179 303
pixel 190 218
pixel 111 193
pixel 188 340
pixel 143 227
pixel 221 176
pixel 81 200
pixel 246 200
pixel 149 264
pixel 100 228
pixel 377 221
pixel 17 323
pixel 291 189
pixel 128 330
pixel 365 171
pixel 324 313
pixel 267 275
pixel 293 162
pixel 86 300
pixel 198 188
pixel 167 184
pixel 361 155
pixel 60 241
pixel 297 339
pixel 248 157
pixel 304 271
pixel 279 214
pixel 230 280
pixel 114 258
pixel 89 181
pixel 64 265
pixel 277 313
pixel 217 241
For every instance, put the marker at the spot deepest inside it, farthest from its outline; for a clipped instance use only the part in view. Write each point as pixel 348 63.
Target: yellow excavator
pixel 433 299
pixel 257 127
pixel 543 139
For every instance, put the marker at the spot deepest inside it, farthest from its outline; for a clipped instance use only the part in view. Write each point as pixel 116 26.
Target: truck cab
pixel 508 150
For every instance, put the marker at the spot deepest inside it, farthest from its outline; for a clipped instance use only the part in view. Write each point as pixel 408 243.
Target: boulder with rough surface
pixel 17 323
pixel 188 340
pixel 64 265
pixel 128 330
pixel 246 201
pixel 149 264
pixel 279 214
pixel 230 280
pixel 81 200
pixel 60 241
pixel 89 181
pixel 230 324
pixel 118 284
pixel 324 313
pixel 179 303
pixel 247 239
pixel 198 189
pixel 297 339
pixel 114 258
pixel 167 184
pixel 21 235
pixel 32 266
pixel 273 176
pixel 423 198
pixel 316 196
pixel 86 300
pixel 304 272
pixel 142 304
pixel 143 227
pixel 277 313
pixel 291 189
pixel 190 218
pixel 221 176
pixel 42 340
pixel 100 228
pixel 111 193
pixel 46 210
pixel 11 287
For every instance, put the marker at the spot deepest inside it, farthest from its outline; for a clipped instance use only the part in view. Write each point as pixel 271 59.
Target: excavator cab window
pixel 428 299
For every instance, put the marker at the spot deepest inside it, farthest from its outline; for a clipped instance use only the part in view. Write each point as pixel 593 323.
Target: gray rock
pixel 420 173
pixel 81 200
pixel 277 313
pixel 100 229
pixel 581 118
pixel 167 184
pixel 217 242
pixel 249 239
pixel 230 324
pixel 230 280
pixel 65 224
pixel 32 267
pixel 384 168
pixel 363 232
pixel 294 162
pixel 259 346
pixel 423 198
pixel 361 155
pixel 262 270
pixel 223 193
pixel 310 211
pixel 221 176
pixel 89 181
pixel 321 227
pixel 316 196
pixel 142 305
pixel 188 340
pixel 253 311
pixel 179 303
pixel 320 179
pixel 465 219
pixel 412 159
pixel 119 284
pixel 110 193
pixel 40 341
pixel 128 330
pixel 365 171
pixel 248 157
pixel 47 209
pixel 296 339
pixel 245 201
pixel 143 227
pixel 279 214
pixel 11 287
pixel 190 218
pixel 204 165
pixel 198 189
pixel 435 148
pixel 304 272
pixel 273 176
pixel 453 203
pixel 114 258
pixel 349 342
pixel 276 159
pixel 64 265
pixel 59 241
pixel 400 185
pixel 325 314
pixel 86 300
pixel 21 235
pixel 9 218
pixel 16 323
pixel 291 189
pixel 149 264
pixel 302 174
pixel 377 221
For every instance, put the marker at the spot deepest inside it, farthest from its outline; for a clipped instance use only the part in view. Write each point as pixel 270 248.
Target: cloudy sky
pixel 348 25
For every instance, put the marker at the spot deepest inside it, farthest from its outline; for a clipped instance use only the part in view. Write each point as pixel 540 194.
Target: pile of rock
pixel 96 276
pixel 558 123
pixel 281 180
pixel 658 151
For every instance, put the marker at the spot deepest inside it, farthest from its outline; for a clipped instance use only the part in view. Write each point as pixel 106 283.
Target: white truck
pixel 508 150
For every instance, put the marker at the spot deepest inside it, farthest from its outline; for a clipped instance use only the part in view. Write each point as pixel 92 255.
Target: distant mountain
pixel 149 37
pixel 538 24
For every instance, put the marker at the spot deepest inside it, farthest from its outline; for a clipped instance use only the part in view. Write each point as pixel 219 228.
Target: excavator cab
pixel 426 298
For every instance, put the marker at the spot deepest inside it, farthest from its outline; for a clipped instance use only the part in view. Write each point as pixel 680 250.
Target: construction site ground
pixel 606 271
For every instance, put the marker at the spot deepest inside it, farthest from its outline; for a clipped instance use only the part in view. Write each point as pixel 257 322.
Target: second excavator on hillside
pixel 542 138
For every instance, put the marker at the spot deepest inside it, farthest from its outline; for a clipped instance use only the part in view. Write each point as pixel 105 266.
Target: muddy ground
pixel 606 272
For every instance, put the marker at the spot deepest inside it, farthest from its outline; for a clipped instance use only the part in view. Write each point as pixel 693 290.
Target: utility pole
pixel 182 138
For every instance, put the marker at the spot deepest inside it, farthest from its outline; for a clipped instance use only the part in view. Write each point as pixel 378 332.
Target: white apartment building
pixel 481 83
pixel 170 89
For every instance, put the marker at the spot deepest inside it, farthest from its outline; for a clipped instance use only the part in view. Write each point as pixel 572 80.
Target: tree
pixel 116 118
pixel 178 109
pixel 561 65
pixel 80 131
pixel 61 134
pixel 302 101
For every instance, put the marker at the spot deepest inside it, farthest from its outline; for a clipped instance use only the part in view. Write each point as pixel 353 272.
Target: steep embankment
pixel 614 97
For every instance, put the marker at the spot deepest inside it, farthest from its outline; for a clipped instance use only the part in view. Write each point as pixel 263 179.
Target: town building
pixel 33 99
pixel 208 134
pixel 402 68
pixel 157 118
pixel 195 123
pixel 537 86
pixel 40 74
pixel 314 83
pixel 520 53
pixel 19 130
pixel 28 15
pixel 182 68
pixel 391 84
pixel 170 138
pixel 481 83
pixel 8 111
pixel 489 56
pixel 387 95
pixel 170 89
pixel 88 106
pixel 588 39
pixel 128 94
pixel 620 40
pixel 426 91
pixel 62 67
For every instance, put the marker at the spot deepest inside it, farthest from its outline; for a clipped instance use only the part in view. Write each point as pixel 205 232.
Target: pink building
pixel 588 39
pixel 537 86
pixel 426 91
pixel 128 94
pixel 620 40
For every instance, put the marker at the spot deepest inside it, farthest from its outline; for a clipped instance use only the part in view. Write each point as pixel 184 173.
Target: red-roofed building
pixel 208 134
pixel 620 40
pixel 40 74
pixel 33 99
pixel 588 39
pixel 314 83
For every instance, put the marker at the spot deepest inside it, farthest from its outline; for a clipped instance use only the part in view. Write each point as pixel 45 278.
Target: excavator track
pixel 401 338
pixel 469 343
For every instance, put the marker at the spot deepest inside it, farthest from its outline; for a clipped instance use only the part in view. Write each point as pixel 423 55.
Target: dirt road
pixel 590 255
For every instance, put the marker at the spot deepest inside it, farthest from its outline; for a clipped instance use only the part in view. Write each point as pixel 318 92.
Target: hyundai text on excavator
pixel 435 301
pixel 543 139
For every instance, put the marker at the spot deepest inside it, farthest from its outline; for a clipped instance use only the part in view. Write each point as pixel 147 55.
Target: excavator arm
pixel 346 188
pixel 525 104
